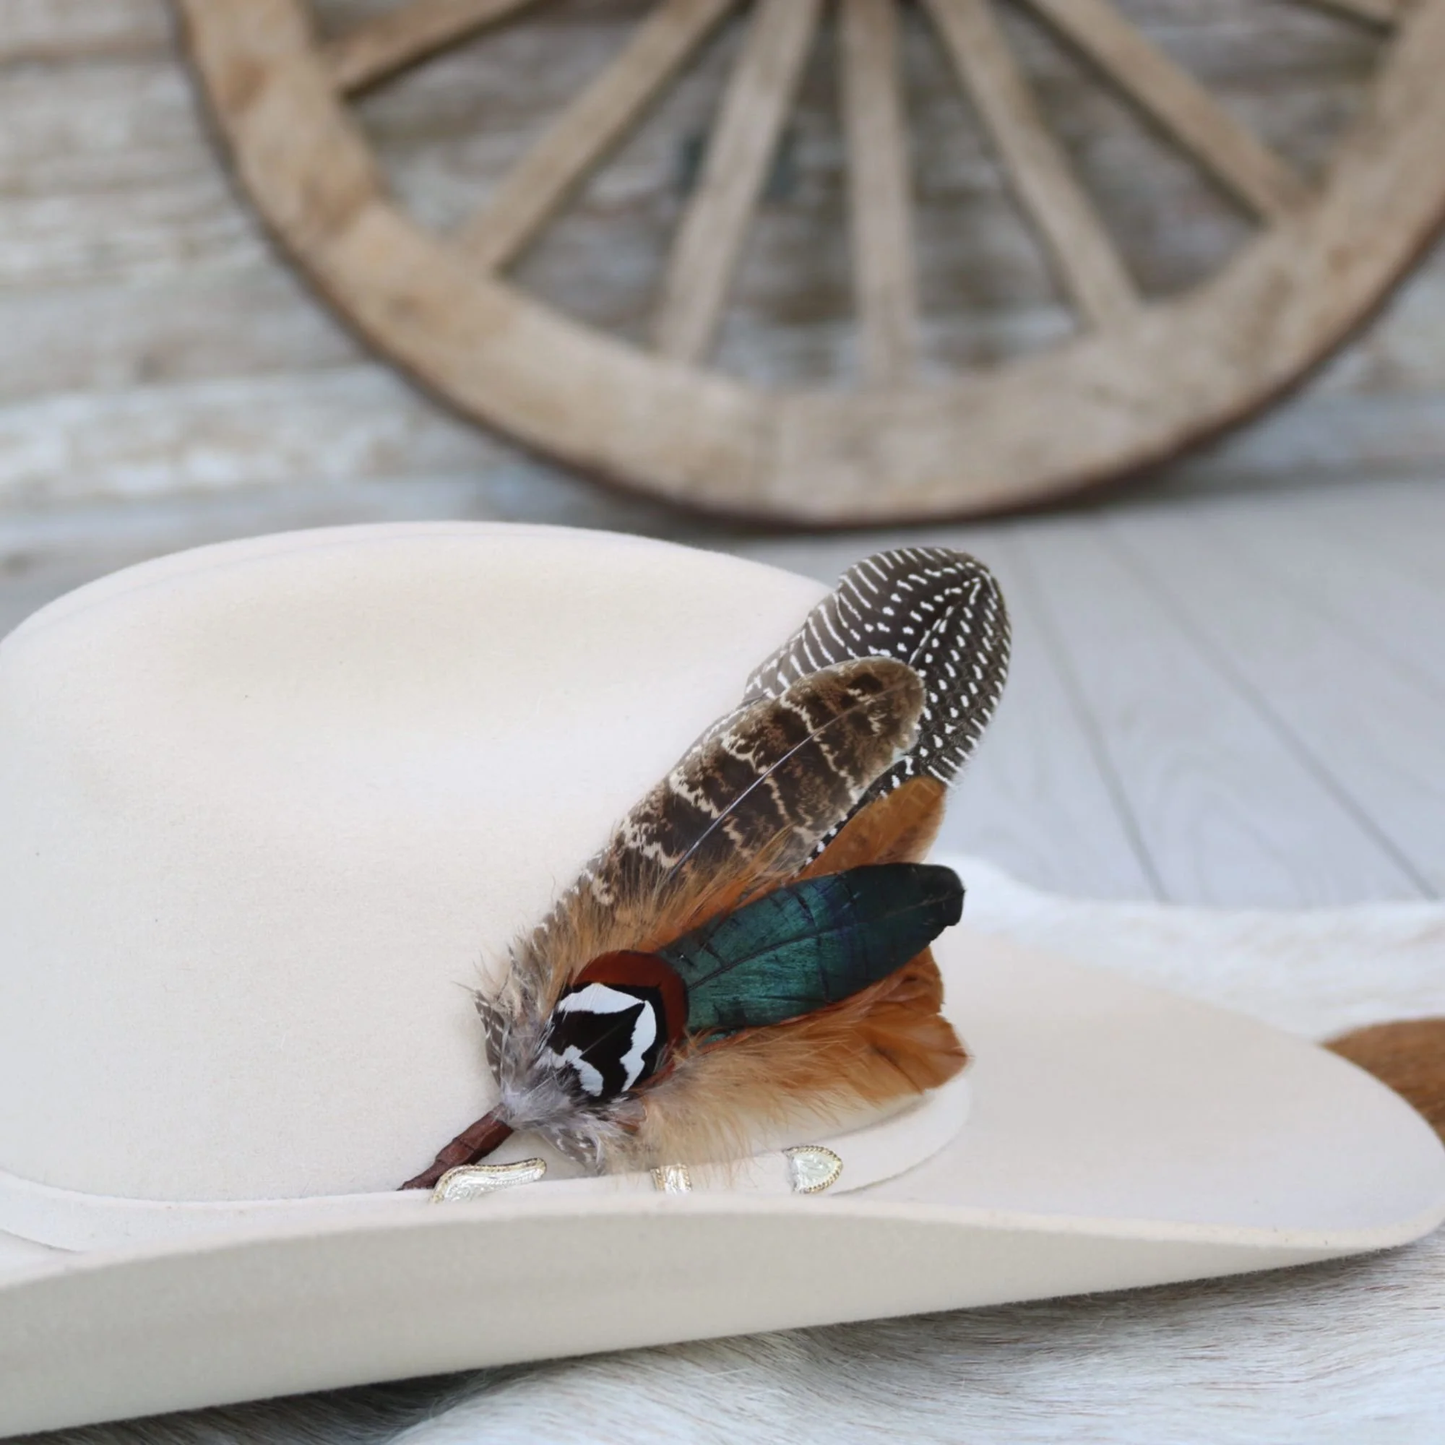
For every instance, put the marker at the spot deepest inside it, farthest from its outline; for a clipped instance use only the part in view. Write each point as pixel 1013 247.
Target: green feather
pixel 811 944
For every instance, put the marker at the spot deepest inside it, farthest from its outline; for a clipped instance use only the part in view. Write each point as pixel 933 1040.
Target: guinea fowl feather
pixel 938 610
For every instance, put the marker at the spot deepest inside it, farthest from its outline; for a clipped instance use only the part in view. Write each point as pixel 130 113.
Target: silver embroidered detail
pixel 812 1168
pixel 472 1181
pixel 672 1179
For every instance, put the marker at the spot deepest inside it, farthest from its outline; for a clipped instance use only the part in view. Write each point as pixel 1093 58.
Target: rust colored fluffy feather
pixel 882 1046
pixel 898 828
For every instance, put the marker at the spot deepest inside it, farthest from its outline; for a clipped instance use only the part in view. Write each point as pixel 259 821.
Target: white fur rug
pixel 1352 1351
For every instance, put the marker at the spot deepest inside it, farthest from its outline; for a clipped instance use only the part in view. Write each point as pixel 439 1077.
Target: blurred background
pixel 1229 679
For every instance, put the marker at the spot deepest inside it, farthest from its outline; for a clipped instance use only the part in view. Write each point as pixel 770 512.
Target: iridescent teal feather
pixel 811 944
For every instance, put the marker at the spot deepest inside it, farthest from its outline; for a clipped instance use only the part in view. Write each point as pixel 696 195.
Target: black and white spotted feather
pixel 938 610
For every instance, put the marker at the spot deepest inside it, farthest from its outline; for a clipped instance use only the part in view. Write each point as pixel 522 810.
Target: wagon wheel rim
pixel 1142 382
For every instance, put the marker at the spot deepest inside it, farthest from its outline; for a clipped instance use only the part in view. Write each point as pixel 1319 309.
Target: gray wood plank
pixel 1407 533
pixel 340 423
pixel 1041 798
pixel 1328 439
pixel 1229 809
pixel 1368 732
pixel 188 327
pixel 37 31
pixel 1364 592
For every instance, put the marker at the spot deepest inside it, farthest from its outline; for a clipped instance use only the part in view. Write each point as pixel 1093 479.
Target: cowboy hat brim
pixel 1119 1136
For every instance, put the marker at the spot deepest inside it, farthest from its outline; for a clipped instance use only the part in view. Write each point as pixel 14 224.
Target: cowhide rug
pixel 1351 1351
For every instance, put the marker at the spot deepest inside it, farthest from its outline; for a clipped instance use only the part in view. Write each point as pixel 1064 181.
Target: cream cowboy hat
pixel 264 808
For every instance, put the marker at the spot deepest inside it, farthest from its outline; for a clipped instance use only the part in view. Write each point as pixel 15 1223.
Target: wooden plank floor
pixel 1229 700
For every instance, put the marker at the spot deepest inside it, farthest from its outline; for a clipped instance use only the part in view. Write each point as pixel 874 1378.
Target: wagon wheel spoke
pixel 884 277
pixel 1035 166
pixel 595 121
pixel 744 139
pixel 382 46
pixel 1179 104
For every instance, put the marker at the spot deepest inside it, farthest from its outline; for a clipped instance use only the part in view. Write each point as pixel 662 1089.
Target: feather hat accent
pixel 752 944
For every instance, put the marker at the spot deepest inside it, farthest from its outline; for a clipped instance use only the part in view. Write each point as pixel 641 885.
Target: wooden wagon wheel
pixel 1142 379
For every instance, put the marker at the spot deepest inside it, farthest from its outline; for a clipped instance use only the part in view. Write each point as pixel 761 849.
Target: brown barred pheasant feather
pixel 751 947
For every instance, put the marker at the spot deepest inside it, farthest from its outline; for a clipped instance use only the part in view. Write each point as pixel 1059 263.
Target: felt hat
pixel 268 809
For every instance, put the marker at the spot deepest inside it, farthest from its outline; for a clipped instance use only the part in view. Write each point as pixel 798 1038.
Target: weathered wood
pixel 587 130
pixel 1178 103
pixel 410 32
pixel 880 193
pixel 1405 536
pixel 1325 439
pixel 1345 712
pixel 1084 256
pixel 108 338
pixel 1369 594
pixel 1381 12
pixel 104 172
pixel 1189 748
pixel 744 140
pixel 1042 754
pixel 45 31
pixel 197 435
pixel 1123 396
